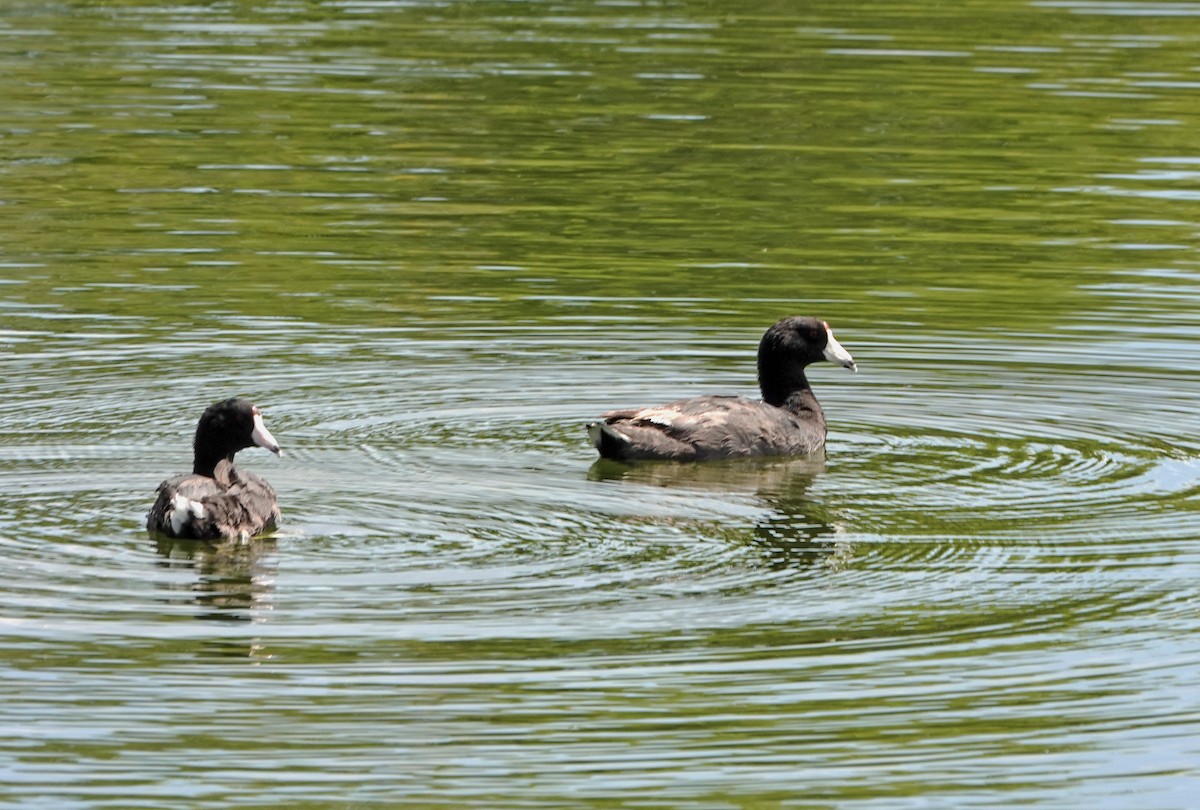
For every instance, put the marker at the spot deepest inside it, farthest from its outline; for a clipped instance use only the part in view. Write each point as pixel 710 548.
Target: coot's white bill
pixel 263 438
pixel 835 354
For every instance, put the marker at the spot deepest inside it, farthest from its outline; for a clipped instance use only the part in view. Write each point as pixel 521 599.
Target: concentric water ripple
pixel 452 547
pixel 423 478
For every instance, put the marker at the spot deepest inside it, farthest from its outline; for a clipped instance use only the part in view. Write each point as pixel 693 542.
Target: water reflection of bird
pixel 788 420
pixel 798 531
pixel 217 500
pixel 234 579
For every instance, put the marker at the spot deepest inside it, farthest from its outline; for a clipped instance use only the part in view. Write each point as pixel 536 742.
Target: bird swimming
pixel 788 420
pixel 217 500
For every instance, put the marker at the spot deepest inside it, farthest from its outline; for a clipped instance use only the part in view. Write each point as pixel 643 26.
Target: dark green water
pixel 432 240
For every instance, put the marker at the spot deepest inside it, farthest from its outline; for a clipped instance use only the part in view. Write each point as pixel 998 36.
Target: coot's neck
pixel 206 462
pixel 790 391
pixel 780 386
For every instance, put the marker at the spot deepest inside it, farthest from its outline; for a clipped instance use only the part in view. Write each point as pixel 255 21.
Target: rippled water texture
pixel 432 240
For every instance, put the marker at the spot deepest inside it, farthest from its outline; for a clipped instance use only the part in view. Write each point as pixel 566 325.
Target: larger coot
pixel 788 420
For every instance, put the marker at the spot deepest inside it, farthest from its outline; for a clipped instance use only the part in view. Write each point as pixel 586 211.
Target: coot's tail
pixel 609 442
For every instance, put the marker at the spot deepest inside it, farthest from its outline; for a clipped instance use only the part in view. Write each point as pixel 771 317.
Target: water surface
pixel 432 240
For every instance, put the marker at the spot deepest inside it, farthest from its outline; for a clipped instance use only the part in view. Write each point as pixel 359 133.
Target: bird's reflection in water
pixel 235 580
pixel 799 531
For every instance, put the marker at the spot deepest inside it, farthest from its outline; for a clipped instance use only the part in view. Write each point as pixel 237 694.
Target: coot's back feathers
pixel 196 506
pixel 706 427
pixel 217 500
pixel 787 421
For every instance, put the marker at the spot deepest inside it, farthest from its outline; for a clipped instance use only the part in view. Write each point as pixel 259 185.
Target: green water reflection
pixel 435 238
pixel 356 167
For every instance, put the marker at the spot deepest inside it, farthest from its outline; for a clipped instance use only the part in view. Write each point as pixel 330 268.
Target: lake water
pixel 433 239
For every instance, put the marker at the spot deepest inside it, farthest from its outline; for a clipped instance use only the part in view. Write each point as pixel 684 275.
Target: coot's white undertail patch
pixel 217 500
pixel 183 511
pixel 788 420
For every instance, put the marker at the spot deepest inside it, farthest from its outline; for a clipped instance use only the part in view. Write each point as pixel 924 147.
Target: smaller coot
pixel 788 420
pixel 218 500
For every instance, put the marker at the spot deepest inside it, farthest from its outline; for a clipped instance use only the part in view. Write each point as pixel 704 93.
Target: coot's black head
pixel 789 346
pixel 797 341
pixel 227 427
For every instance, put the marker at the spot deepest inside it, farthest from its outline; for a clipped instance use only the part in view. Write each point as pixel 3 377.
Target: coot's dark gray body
pixel 788 420
pixel 217 500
